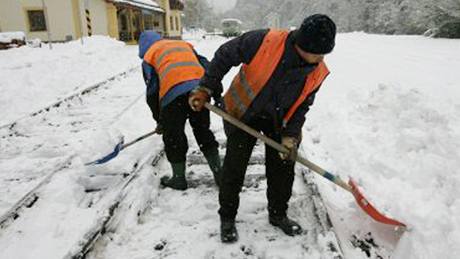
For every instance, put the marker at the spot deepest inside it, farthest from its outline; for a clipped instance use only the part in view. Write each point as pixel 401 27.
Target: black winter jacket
pixel 280 92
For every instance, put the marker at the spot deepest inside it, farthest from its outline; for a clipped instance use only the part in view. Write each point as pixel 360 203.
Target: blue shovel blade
pixel 108 157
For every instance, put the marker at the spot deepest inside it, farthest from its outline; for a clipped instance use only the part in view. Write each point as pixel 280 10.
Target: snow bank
pixel 31 78
pixel 389 117
pixel 8 37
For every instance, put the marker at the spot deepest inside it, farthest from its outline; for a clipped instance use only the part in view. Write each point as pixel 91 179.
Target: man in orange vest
pixel 171 69
pixel 280 75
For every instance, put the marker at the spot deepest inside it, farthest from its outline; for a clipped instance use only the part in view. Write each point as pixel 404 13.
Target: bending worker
pixel 280 75
pixel 171 69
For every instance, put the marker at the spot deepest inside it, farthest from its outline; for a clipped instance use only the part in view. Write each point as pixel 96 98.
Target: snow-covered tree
pixel 199 14
pixel 446 19
pixel 437 18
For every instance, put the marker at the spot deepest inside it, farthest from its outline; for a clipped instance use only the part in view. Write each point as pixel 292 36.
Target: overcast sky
pixel 222 5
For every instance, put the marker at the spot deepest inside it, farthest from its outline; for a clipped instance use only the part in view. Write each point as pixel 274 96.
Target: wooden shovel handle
pixel 315 168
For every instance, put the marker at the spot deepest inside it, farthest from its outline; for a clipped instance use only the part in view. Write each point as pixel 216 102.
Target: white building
pixel 70 19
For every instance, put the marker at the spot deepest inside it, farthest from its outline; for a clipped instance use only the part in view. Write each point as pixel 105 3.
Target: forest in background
pixel 432 18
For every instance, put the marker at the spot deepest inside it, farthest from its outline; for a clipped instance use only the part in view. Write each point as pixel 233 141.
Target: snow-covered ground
pixel 33 78
pixel 388 115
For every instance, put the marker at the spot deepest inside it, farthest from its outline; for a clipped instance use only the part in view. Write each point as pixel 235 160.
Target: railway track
pixel 185 224
pixel 41 139
pixel 36 154
pixel 117 214
pixel 38 207
pixel 92 235
pixel 70 97
pixel 130 215
pixel 29 199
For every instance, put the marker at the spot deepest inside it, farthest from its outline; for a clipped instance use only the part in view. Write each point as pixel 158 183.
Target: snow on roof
pixel 8 37
pixel 144 4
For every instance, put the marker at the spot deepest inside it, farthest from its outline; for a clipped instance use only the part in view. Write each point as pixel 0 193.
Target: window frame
pixel 30 26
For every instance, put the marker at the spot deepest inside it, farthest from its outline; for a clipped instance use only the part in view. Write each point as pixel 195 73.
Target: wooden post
pixel 88 18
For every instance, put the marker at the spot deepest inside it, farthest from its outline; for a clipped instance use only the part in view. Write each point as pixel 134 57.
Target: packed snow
pixel 388 116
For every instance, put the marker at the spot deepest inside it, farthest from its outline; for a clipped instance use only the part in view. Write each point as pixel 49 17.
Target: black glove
pixel 214 85
pixel 159 129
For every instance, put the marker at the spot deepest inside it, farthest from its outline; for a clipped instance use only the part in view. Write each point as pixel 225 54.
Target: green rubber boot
pixel 213 159
pixel 177 181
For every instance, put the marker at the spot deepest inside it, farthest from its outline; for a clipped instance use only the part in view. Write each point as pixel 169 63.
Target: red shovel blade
pixel 369 209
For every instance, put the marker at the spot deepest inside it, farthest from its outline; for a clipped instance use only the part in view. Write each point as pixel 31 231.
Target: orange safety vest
pixel 175 62
pixel 252 77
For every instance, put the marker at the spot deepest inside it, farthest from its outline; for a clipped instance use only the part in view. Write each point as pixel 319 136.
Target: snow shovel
pixel 119 147
pixel 350 187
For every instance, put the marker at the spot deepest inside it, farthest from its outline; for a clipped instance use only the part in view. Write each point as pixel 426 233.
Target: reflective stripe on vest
pixel 175 62
pixel 253 77
pixel 176 65
pixel 314 80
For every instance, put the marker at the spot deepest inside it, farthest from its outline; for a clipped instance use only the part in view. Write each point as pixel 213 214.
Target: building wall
pixel 165 5
pixel 13 17
pixel 60 21
pixel 67 18
pixel 98 14
pixel 176 26
pixel 170 19
pixel 161 23
pixel 76 17
pixel 63 16
pixel 112 22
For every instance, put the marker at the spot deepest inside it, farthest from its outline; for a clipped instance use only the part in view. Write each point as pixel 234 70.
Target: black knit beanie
pixel 316 34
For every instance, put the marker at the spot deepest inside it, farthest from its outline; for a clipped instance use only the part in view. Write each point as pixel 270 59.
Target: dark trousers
pixel 279 173
pixel 173 117
pixel 154 105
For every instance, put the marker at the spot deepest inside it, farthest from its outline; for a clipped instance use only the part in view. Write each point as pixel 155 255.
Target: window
pixel 171 22
pixel 124 22
pixel 37 20
pixel 156 21
pixel 148 22
pixel 177 23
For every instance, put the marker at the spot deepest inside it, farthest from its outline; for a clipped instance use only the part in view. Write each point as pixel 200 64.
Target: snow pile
pixel 31 78
pixel 389 117
pixel 8 37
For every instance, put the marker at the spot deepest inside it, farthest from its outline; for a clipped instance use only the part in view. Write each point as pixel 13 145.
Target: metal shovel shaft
pixel 119 147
